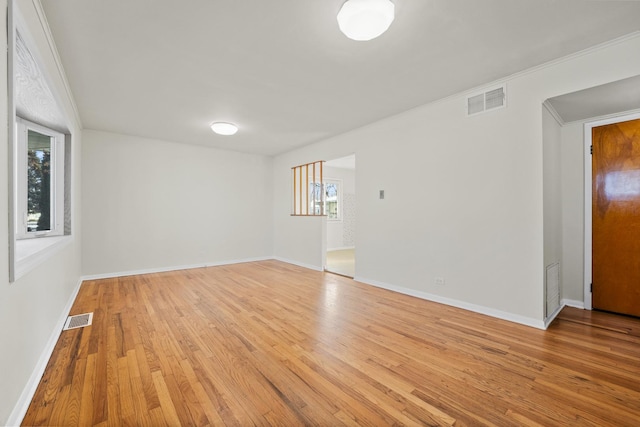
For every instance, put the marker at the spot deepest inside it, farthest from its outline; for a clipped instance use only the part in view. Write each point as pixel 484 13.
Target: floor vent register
pixel 78 321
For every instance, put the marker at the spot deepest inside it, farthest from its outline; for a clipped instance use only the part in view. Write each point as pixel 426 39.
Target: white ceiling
pixel 284 73
pixel 611 98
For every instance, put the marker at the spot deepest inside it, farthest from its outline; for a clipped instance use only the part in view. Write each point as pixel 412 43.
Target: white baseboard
pixel 563 303
pixel 527 321
pixel 573 303
pixel 171 268
pixel 343 248
pixel 299 264
pixel 553 315
pixel 21 407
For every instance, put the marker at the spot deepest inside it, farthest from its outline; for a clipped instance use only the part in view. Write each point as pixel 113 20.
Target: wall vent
pixel 488 100
pixel 78 321
pixel 552 279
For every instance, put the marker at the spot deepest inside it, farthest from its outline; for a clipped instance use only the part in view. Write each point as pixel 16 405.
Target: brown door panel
pixel 616 217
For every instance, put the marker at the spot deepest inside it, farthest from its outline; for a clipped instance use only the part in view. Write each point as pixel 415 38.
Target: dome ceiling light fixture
pixel 364 20
pixel 224 128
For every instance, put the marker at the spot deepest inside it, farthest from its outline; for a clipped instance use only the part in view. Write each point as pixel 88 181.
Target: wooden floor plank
pixel 269 343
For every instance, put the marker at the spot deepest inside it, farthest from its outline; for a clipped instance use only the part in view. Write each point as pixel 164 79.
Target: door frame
pixel 326 219
pixel 588 190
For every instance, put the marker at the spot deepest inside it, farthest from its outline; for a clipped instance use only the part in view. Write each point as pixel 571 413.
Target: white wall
pixel 32 307
pixel 336 229
pixel 464 195
pixel 552 196
pixel 150 204
pixel 300 240
pixel 573 212
pixel 552 188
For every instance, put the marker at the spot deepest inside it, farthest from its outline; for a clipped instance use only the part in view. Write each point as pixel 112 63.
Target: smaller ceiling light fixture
pixel 223 128
pixel 364 20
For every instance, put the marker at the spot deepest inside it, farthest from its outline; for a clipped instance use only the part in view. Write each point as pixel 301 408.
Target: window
pixel 315 198
pixel 332 199
pixel 39 172
pixel 39 181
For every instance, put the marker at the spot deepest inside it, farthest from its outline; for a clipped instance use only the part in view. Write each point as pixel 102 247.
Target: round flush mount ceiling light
pixel 223 128
pixel 365 19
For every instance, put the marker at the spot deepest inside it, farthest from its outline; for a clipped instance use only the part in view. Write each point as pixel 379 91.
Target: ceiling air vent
pixel 78 321
pixel 485 101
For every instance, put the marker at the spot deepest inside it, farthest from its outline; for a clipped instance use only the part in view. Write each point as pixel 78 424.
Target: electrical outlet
pixel 438 281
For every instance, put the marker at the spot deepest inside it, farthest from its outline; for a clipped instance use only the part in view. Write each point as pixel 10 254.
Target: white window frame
pixel 340 191
pixel 21 180
pixel 322 201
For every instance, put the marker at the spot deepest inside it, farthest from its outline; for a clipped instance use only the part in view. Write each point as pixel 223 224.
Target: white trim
pixel 554 113
pixel 553 315
pixel 588 179
pixel 43 249
pixel 553 62
pixel 340 248
pixel 11 133
pixel 537 68
pixel 56 189
pixel 171 268
pixel 563 303
pixel 299 264
pixel 573 303
pixel 588 173
pixel 606 116
pixel 527 321
pixel 337 181
pixel 22 405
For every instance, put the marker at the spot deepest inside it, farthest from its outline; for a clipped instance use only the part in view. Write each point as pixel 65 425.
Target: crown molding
pixel 547 104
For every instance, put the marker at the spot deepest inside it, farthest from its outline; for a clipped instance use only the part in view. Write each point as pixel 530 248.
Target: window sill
pixel 29 253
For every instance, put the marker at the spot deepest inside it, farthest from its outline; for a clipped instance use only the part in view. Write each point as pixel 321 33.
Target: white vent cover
pixel 488 100
pixel 553 288
pixel 78 321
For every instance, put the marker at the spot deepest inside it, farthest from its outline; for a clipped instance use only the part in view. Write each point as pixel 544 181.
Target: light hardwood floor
pixel 269 343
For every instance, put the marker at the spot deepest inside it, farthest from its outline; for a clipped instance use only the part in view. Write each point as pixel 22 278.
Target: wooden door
pixel 616 217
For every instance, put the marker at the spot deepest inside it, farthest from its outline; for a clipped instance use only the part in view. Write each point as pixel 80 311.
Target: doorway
pixel 615 216
pixel 340 193
pixel 612 258
pixel 577 113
